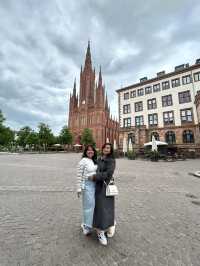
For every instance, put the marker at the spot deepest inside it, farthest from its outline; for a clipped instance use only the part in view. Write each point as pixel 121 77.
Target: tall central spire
pixel 88 60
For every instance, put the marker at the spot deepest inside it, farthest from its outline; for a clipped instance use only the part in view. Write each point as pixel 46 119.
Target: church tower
pixel 90 109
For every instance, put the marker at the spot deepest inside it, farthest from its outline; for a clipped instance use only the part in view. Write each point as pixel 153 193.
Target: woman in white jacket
pixel 86 187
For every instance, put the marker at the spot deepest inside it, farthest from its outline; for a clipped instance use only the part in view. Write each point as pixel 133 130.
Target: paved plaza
pixel 157 213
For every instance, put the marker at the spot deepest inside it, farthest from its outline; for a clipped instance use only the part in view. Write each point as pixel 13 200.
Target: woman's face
pixel 107 150
pixel 90 153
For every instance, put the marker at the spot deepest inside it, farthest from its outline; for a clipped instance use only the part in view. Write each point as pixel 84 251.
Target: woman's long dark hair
pixel 94 158
pixel 111 150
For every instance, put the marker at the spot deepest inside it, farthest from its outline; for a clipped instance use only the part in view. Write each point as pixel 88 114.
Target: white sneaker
pixel 86 230
pixel 102 238
pixel 111 231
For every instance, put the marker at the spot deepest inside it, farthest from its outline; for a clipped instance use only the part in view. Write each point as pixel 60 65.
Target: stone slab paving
pixel 157 212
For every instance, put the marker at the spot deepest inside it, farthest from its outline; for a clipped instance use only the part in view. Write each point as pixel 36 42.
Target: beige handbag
pixel 111 190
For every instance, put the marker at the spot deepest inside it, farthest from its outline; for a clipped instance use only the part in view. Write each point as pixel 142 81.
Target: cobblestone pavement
pixel 157 212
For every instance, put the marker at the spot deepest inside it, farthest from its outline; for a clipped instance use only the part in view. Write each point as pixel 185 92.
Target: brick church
pixel 90 109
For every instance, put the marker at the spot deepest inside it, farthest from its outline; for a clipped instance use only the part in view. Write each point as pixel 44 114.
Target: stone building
pixel 90 109
pixel 163 106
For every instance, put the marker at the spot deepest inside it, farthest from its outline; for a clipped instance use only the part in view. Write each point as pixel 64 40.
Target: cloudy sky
pixel 43 44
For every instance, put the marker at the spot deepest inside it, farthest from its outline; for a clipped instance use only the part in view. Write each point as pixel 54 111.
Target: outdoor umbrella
pixel 124 145
pixel 154 144
pixel 115 145
pixel 158 143
pixel 130 146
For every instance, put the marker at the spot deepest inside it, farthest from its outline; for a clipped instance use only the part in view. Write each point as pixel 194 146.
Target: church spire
pixel 88 61
pixel 100 79
pixel 74 89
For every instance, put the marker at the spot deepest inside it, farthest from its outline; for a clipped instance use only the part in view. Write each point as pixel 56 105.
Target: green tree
pixel 87 137
pixel 32 139
pixel 65 137
pixel 6 134
pixel 23 135
pixel 45 135
pixel 2 118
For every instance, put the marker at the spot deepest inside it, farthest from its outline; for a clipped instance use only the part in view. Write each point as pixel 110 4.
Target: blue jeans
pixel 88 203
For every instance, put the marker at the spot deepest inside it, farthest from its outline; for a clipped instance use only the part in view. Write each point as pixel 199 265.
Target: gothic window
pixel 188 136
pixel 156 136
pixel 170 137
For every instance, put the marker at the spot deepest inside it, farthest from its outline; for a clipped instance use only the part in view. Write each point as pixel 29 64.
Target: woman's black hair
pixel 94 158
pixel 111 149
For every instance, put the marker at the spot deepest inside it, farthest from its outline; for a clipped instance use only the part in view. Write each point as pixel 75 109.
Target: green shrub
pixel 131 155
pixel 154 156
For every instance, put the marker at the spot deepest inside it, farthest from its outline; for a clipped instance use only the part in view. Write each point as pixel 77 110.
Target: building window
pixel 127 109
pixel 156 87
pixel 186 79
pixel 184 97
pixel 188 136
pixel 138 106
pixel 139 120
pixel 156 136
pixel 148 90
pixel 126 95
pixel 168 118
pixel 131 136
pixel 153 119
pixel 127 122
pixel 197 76
pixel 186 115
pixel 175 82
pixel 133 94
pixel 167 100
pixel 170 137
pixel 140 92
pixel 165 85
pixel 151 104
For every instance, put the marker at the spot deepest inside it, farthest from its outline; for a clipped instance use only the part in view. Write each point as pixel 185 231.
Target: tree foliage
pixel 45 135
pixel 87 137
pixel 23 135
pixel 65 136
pixel 6 134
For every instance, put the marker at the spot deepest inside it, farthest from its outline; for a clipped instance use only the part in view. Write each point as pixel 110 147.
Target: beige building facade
pixel 163 106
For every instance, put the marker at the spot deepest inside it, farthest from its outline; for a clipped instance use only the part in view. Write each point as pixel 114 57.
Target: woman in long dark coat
pixel 104 213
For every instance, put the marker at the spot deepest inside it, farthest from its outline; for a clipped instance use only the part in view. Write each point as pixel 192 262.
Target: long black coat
pixel 104 212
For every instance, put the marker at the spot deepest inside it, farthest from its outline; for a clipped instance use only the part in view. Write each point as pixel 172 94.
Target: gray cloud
pixel 43 43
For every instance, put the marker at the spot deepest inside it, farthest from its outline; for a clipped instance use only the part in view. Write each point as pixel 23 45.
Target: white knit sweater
pixel 85 168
